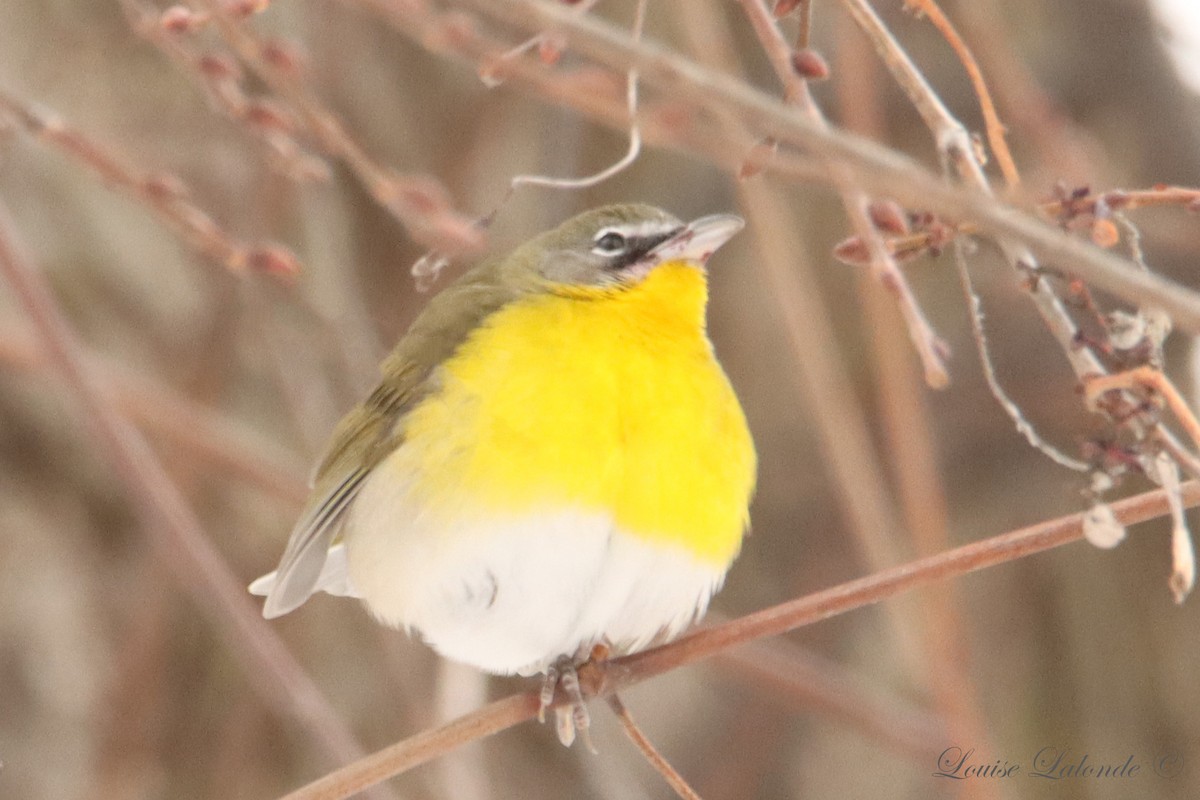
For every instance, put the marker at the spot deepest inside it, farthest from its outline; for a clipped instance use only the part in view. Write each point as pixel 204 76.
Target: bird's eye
pixel 610 242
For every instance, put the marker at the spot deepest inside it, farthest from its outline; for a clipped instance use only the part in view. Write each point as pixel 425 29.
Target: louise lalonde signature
pixel 1051 763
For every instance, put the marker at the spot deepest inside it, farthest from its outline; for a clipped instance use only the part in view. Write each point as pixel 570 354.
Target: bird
pixel 553 462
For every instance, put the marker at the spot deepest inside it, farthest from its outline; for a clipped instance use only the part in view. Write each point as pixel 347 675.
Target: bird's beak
pixel 699 239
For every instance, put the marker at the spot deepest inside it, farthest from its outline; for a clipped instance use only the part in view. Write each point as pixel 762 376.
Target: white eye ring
pixel 610 243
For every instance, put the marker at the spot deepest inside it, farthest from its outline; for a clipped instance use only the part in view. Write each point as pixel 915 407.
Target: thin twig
pixel 979 334
pixel 991 119
pixel 949 134
pixel 419 202
pixel 928 344
pixel 1146 377
pixel 592 94
pixel 162 193
pixel 621 673
pixel 804 32
pixel 635 133
pixel 1065 149
pixel 656 759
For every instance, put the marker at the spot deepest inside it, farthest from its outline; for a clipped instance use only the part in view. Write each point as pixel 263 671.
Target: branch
pixel 220 78
pixel 1145 377
pixel 1070 212
pixel 880 171
pixel 621 673
pixel 164 194
pixel 979 334
pixel 635 133
pixel 656 759
pixel 995 128
pixel 419 202
pixel 929 346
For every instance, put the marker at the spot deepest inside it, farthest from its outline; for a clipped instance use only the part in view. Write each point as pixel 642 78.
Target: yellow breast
pixel 603 400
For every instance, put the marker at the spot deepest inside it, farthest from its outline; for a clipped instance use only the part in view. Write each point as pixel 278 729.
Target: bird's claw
pixel 571 718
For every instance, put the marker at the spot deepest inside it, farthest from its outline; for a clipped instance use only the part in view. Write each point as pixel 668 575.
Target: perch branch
pixel 816 607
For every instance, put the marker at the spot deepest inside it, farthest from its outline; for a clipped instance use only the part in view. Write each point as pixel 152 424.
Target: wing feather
pixel 308 547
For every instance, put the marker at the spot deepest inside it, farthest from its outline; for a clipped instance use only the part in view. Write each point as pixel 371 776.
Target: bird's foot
pixel 571 718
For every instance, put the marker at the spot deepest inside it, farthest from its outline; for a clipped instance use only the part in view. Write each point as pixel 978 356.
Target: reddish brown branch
pixel 623 672
pixel 162 193
pixel 421 749
pixel 1065 150
pixel 219 76
pixel 647 748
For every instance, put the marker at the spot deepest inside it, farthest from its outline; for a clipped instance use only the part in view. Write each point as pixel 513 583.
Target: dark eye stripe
pixel 637 247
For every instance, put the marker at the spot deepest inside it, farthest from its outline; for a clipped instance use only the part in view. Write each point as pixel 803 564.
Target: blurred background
pixel 115 683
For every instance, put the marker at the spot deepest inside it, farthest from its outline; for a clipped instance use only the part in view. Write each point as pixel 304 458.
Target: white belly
pixel 514 594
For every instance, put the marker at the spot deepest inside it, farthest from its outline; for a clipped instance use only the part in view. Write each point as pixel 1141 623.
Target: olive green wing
pixel 361 440
pixel 368 434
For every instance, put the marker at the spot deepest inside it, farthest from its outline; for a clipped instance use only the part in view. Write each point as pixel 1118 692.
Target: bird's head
pixel 619 245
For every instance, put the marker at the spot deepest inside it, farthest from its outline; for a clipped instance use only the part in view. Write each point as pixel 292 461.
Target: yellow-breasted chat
pixel 553 459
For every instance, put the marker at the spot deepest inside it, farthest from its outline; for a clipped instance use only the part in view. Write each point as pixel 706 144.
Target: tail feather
pixel 333 579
